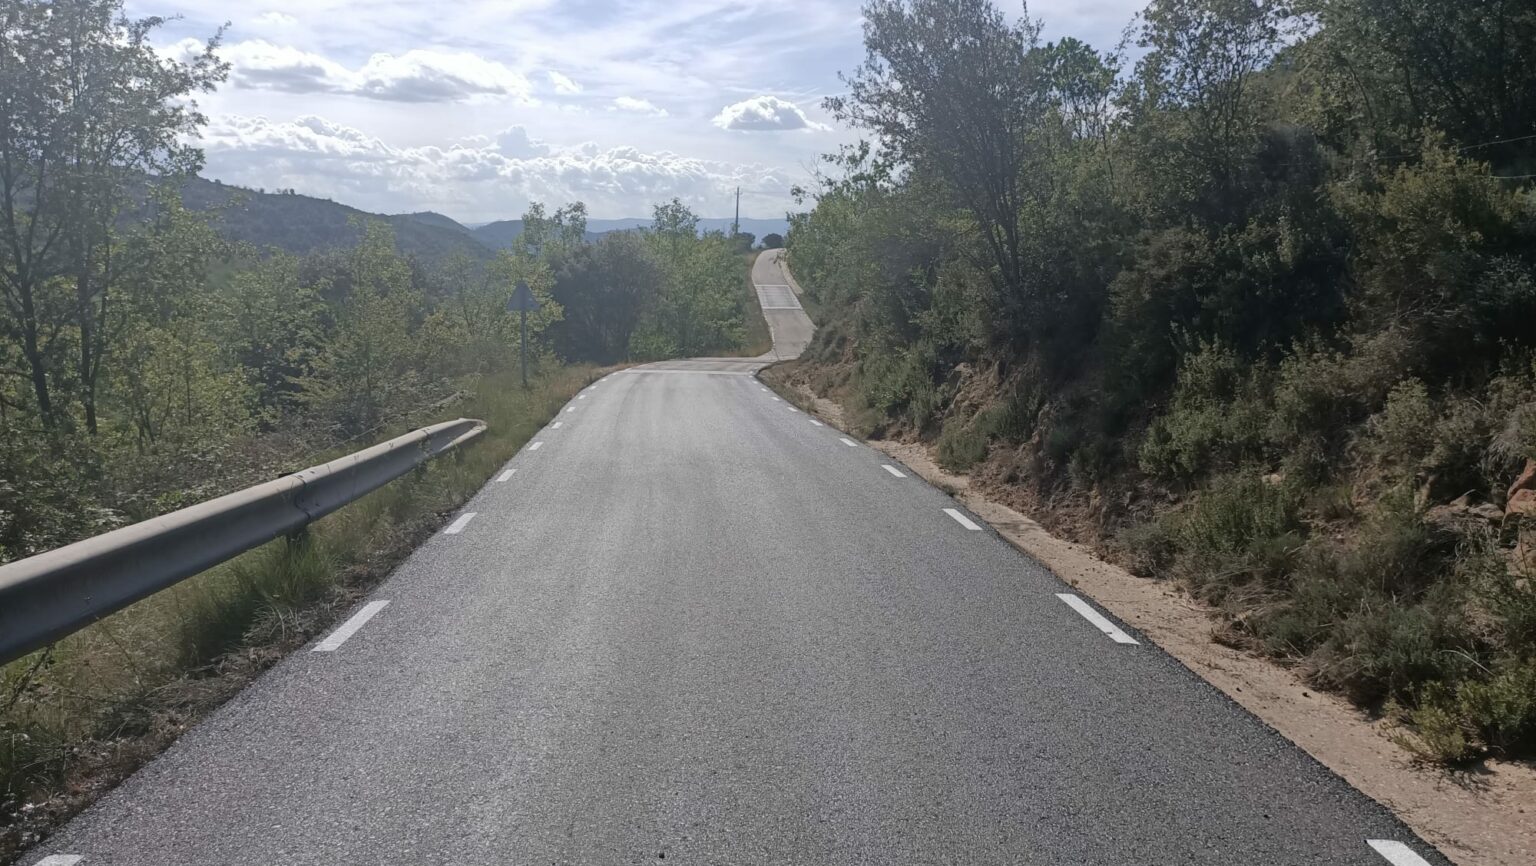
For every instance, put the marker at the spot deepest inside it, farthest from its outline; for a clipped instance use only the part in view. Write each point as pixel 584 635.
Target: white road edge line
pixel 792 409
pixel 457 526
pixel 1098 619
pixel 959 518
pixel 817 423
pixel 1396 852
pixel 535 446
pixel 60 860
pixel 505 476
pixel 849 442
pixel 581 396
pixel 893 470
pixel 557 425
pixel 775 399
pixel 572 409
pixel 348 628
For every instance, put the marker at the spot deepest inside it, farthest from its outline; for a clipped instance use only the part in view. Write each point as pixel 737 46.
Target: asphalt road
pixel 692 625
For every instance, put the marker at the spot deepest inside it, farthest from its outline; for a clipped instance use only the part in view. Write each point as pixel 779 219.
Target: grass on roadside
pixel 79 717
pixel 758 340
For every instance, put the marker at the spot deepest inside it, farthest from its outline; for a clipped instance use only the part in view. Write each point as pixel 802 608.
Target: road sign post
pixel 523 301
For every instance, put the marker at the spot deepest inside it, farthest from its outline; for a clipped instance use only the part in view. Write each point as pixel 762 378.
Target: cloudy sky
pixel 473 108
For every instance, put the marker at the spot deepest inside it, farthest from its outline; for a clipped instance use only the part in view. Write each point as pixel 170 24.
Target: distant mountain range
pixel 301 224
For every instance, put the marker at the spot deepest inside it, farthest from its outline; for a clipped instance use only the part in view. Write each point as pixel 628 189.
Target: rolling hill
pixel 302 224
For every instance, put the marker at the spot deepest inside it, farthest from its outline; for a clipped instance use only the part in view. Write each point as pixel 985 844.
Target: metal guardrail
pixel 53 594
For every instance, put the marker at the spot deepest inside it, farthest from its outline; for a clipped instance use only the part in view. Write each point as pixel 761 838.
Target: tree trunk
pixel 35 363
pixel 90 362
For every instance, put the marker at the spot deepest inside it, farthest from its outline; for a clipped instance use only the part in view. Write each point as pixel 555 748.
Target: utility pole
pixel 736 223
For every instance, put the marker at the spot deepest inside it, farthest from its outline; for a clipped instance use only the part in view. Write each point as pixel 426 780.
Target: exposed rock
pixel 1461 511
pixel 1489 512
pixel 1526 480
pixel 1523 503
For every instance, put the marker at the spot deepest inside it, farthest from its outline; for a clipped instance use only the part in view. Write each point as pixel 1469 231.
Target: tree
pixel 953 89
pixel 1392 68
pixel 1196 103
pixel 368 366
pixel 273 324
pixel 674 226
pixel 773 241
pixel 604 288
pixel 90 108
pixel 566 227
pixel 171 378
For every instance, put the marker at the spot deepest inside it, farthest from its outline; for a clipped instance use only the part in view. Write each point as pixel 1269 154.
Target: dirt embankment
pixel 1481 817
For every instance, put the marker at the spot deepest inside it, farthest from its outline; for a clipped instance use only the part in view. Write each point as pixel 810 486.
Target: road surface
pixel 690 624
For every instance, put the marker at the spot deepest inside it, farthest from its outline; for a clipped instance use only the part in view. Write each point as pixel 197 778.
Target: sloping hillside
pixel 433 218
pixel 301 224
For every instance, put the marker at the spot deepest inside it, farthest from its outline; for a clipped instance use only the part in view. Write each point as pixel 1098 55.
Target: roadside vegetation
pixel 147 363
pixel 1256 312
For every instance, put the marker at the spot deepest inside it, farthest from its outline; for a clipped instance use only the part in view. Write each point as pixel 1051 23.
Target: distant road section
pixel 790 327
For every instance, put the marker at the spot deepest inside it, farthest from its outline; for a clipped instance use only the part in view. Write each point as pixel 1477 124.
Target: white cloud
pixel 516 143
pixel 562 84
pixel 275 19
pixel 260 65
pixel 638 106
pixel 764 114
pixel 474 178
pixel 421 75
pixel 417 75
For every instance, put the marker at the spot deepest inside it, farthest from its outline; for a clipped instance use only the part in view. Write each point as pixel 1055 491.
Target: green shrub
pixel 1235 513
pixel 1385 649
pixel 1152 547
pixel 1503 708
pixel 901 384
pixel 1216 419
pixel 962 444
pixel 1402 434
pixel 1438 731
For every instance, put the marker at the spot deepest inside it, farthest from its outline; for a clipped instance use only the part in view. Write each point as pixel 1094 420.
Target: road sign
pixel 522 299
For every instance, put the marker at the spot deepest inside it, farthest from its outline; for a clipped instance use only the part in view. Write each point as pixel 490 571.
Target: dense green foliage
pixel 1281 270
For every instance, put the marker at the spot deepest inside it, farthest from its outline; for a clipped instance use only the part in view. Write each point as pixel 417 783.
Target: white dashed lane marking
pixel 535 446
pixel 457 526
pixel 348 628
pixel 505 475
pixel 1396 852
pixel 557 425
pixel 1098 619
pixel 849 442
pixel 893 470
pixel 962 519
pixel 817 423
pixel 60 860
